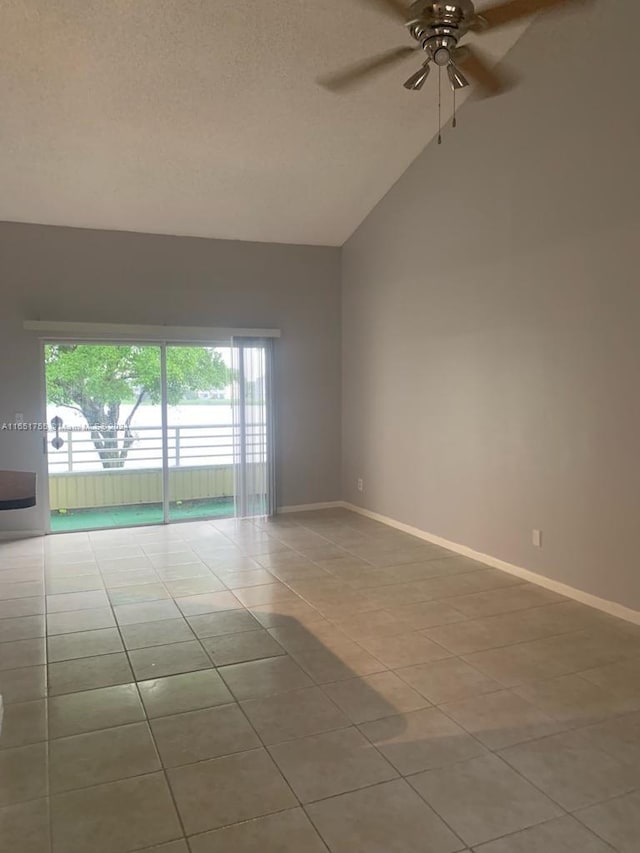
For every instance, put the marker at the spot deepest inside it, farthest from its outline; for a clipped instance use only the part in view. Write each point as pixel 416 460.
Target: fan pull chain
pixel 454 123
pixel 439 105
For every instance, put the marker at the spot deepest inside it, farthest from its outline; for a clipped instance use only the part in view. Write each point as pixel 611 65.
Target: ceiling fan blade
pixel 395 9
pixel 473 64
pixel 347 78
pixel 505 13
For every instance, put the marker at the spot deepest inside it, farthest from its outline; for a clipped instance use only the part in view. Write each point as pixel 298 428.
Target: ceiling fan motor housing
pixel 438 26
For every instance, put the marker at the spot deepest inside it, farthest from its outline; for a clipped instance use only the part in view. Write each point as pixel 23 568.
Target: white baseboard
pixel 19 534
pixel 611 607
pixel 309 507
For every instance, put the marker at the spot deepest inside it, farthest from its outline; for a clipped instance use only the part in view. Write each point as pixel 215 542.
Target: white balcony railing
pixel 200 466
pixel 188 446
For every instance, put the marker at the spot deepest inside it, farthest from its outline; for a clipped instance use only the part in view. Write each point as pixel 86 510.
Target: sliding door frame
pixel 243 337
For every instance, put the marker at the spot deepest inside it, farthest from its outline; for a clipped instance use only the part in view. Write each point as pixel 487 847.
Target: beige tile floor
pixel 317 682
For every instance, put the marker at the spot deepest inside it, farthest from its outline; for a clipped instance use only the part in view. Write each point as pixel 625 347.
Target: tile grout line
pixel 148 722
pixel 48 747
pixel 372 745
pixel 575 815
pixel 492 752
pixel 317 684
pixel 152 734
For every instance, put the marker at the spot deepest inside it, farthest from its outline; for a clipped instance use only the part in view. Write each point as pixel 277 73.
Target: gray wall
pixel 491 319
pixel 115 277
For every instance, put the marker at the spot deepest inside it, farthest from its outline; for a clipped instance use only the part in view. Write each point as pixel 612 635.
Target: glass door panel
pixel 199 432
pixel 104 447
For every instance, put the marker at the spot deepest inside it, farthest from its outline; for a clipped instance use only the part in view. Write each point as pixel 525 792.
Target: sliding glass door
pixel 104 446
pixel 150 434
pixel 200 432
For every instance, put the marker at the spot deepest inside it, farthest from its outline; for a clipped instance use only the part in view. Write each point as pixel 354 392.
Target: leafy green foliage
pixel 95 379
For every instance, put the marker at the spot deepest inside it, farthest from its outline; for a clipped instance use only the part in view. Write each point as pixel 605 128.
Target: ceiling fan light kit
pixel 417 80
pixel 456 77
pixel 437 27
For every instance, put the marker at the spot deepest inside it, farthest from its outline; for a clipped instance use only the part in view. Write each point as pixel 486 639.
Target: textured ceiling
pixel 202 117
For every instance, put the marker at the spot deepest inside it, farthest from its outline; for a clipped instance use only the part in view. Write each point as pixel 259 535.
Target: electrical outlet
pixel 360 484
pixel 536 538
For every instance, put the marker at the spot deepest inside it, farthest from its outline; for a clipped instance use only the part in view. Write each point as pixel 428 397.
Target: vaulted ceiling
pixel 203 117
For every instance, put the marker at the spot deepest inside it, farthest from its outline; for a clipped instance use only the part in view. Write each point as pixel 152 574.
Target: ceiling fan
pixel 438 26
